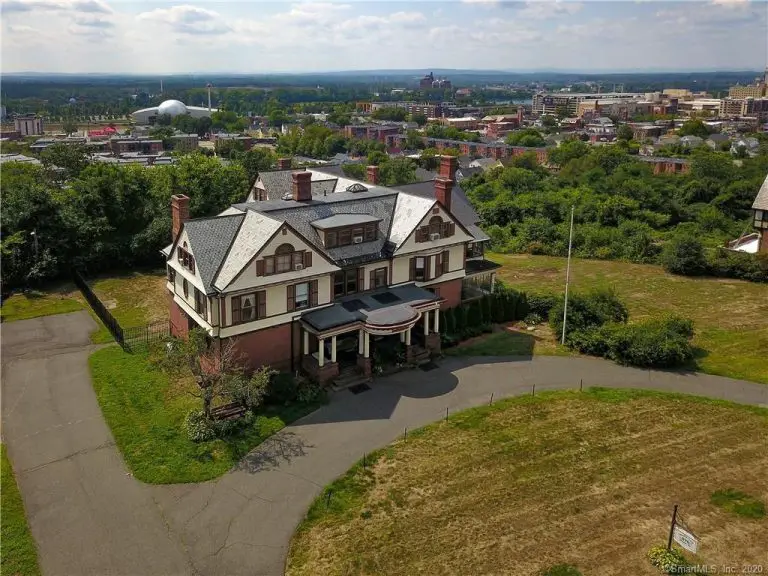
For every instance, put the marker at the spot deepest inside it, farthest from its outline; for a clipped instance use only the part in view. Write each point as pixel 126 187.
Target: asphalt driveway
pixel 87 514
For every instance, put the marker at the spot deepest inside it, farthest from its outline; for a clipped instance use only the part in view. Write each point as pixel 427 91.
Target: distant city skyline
pixel 151 37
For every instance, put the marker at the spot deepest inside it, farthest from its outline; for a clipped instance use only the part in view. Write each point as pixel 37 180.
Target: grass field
pixel 587 479
pixel 146 411
pixel 133 299
pixel 729 315
pixel 18 552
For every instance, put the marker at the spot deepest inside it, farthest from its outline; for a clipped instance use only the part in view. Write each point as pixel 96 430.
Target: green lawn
pixel 729 315
pixel 511 342
pixel 133 299
pixel 146 411
pixel 39 303
pixel 18 552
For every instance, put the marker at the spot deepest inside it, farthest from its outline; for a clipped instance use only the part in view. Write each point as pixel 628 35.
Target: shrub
pixel 684 254
pixel 461 318
pixel 533 318
pixel 656 343
pixel 309 392
pixel 282 389
pixel 587 311
pixel 727 264
pixel 198 427
pixel 668 561
pixel 474 314
pixel 448 321
pixel 541 304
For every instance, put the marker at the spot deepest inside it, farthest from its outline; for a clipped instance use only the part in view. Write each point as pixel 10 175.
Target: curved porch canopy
pixel 387 310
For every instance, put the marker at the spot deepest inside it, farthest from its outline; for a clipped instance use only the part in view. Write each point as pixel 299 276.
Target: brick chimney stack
pixel 283 163
pixel 448 166
pixel 372 175
pixel 302 186
pixel 179 214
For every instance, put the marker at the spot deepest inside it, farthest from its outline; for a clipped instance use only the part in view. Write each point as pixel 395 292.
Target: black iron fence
pixel 129 338
pixel 143 336
pixel 99 308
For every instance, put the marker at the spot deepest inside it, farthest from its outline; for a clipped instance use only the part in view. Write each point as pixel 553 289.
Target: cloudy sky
pixel 253 36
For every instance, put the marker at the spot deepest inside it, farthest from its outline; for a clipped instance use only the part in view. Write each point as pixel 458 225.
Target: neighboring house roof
pixel 691 140
pixel 423 175
pixel 485 163
pixel 18 158
pixel 719 138
pixel 467 172
pixel 761 200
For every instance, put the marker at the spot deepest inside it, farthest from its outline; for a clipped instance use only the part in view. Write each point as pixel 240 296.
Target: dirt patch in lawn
pixel 587 479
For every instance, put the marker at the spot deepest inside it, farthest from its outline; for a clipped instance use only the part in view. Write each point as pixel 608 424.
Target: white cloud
pixel 187 19
pixel 91 6
pixel 547 9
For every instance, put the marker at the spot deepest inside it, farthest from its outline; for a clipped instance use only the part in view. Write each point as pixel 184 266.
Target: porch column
pixel 437 321
pixel 408 337
pixel 367 351
pixel 321 352
pixel 306 342
pixel 493 281
pixel 333 348
pixel 402 337
pixel 426 322
pixel 361 342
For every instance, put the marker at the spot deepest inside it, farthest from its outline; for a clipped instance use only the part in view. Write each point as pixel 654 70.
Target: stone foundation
pixel 365 365
pixel 322 375
pixel 433 343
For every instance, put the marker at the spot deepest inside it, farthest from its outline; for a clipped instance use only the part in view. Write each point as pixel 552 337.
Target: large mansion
pixel 315 268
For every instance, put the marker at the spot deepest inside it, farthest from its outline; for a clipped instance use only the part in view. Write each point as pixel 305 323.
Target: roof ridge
pixel 201 218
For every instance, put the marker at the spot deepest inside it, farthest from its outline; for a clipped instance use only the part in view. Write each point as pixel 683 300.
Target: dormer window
pixel 345 229
pixel 435 225
pixel 185 258
pixel 436 228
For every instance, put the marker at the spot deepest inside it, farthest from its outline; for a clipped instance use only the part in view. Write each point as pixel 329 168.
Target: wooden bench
pixel 228 411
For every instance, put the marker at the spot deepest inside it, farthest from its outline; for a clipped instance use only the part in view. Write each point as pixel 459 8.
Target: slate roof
pixel 254 231
pixel 210 238
pixel 346 311
pixel 339 220
pixel 761 200
pixel 460 205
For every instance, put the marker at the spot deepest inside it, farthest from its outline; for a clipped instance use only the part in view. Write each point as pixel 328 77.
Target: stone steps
pixel 348 377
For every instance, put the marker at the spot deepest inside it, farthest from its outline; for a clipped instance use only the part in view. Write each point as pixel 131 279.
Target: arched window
pixel 435 225
pixel 284 256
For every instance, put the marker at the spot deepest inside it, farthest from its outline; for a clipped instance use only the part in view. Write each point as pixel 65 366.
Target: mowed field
pixel 729 315
pixel 134 299
pixel 587 479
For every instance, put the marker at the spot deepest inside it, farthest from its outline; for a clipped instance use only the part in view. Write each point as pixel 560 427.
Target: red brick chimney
pixel 448 165
pixel 302 186
pixel 283 163
pixel 443 188
pixel 372 175
pixel 179 213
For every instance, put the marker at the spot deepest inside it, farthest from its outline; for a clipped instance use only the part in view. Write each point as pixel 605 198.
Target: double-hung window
pixel 421 269
pixel 301 295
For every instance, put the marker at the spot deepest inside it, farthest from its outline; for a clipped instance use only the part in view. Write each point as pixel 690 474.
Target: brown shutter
pixel 361 279
pixel 412 275
pixel 235 309
pixel 307 259
pixel 313 293
pixel 261 304
pixel 259 267
pixel 372 279
pixel 178 253
pixel 451 229
pixel 446 262
pixel 192 263
pixel 223 312
pixel 438 265
pixel 428 268
pixel 291 297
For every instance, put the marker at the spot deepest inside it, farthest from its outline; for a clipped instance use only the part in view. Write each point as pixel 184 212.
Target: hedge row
pixel 476 317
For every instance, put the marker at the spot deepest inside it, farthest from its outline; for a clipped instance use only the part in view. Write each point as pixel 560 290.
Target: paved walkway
pixel 242 523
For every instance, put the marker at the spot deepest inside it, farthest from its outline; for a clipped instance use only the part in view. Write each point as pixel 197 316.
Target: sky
pixel 167 37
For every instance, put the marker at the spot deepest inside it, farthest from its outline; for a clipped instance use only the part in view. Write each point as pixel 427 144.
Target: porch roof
pixel 384 306
pixel 479 266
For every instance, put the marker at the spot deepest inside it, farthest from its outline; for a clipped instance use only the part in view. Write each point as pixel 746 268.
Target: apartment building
pixel 28 125
pixel 568 102
pixel 318 270
pixel 429 110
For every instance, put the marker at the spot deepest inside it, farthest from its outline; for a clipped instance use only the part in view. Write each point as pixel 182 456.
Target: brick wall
pixel 179 319
pixel 450 291
pixel 270 346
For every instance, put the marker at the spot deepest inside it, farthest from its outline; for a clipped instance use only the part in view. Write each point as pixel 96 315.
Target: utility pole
pixel 567 277
pixel 672 528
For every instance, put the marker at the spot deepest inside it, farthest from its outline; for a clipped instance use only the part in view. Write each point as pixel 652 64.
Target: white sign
pixel 686 539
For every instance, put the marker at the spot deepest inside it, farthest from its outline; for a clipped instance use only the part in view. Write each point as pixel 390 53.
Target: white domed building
pixel 172 108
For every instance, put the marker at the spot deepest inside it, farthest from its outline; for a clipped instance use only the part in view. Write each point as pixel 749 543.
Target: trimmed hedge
pixel 476 317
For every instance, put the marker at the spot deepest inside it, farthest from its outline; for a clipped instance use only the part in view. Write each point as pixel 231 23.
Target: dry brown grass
pixel 586 479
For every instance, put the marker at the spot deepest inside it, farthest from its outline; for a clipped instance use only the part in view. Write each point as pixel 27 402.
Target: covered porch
pixel 480 279
pixel 342 337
